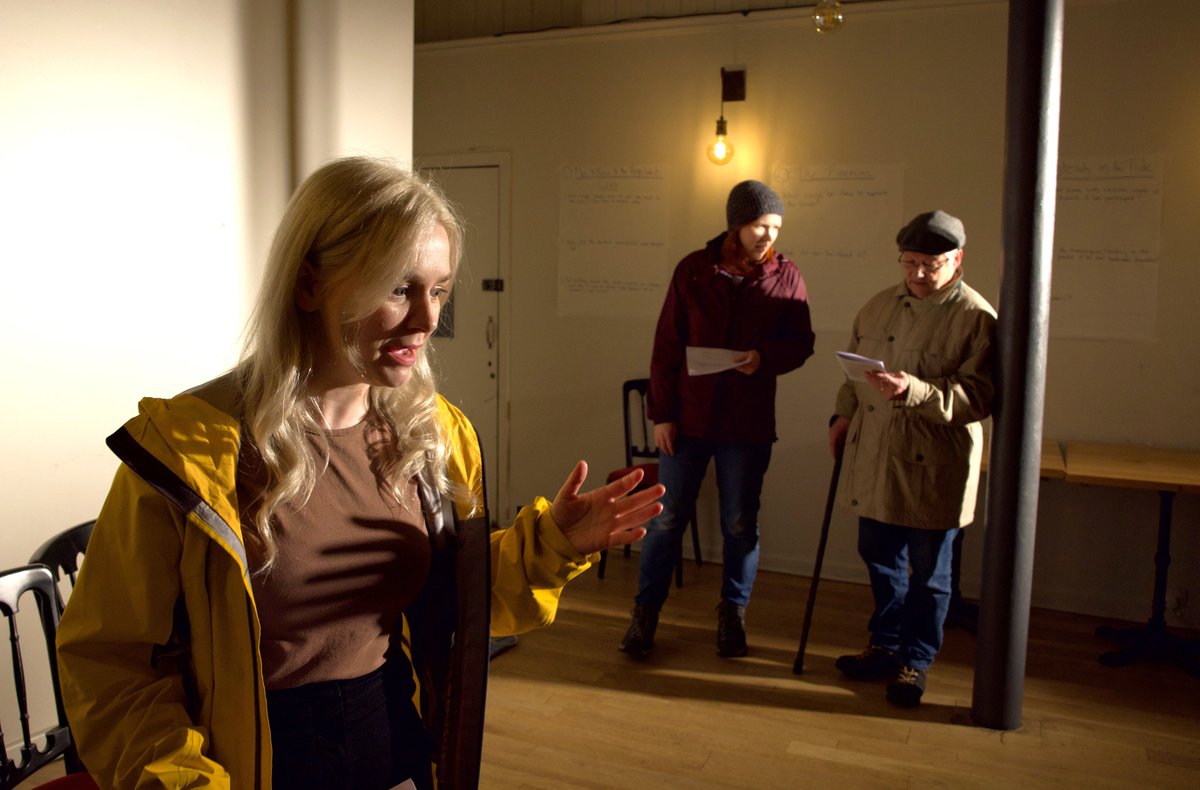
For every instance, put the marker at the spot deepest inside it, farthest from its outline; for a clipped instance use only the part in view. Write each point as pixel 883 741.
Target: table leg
pixel 1154 639
pixel 962 614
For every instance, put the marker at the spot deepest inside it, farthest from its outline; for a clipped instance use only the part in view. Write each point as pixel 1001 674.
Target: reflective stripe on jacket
pixel 158 647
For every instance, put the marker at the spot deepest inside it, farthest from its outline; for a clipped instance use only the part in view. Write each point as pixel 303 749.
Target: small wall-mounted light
pixel 733 88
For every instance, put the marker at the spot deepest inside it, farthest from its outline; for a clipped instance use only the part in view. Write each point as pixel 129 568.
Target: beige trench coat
pixel 915 461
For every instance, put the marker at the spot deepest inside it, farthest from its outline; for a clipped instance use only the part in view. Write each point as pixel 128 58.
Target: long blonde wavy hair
pixel 361 221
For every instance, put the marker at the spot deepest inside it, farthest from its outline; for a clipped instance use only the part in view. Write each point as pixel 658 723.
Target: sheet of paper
pixel 701 360
pixel 855 365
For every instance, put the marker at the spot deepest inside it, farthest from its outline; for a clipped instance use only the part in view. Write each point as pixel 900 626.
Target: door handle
pixel 491 332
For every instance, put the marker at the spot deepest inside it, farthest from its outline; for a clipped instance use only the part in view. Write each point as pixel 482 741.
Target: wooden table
pixel 1168 472
pixel 1053 467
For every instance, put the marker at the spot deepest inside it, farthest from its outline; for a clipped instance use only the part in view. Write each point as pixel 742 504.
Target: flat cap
pixel 932 233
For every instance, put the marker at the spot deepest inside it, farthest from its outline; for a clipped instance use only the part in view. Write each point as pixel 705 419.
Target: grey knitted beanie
pixel 749 200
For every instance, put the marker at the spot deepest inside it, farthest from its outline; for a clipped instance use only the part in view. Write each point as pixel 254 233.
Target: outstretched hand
pixel 604 517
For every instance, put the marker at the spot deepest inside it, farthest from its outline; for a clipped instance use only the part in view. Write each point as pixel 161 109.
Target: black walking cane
pixel 798 666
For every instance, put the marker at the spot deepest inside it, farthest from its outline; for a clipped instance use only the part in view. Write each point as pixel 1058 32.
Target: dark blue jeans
pixel 909 609
pixel 358 734
pixel 740 471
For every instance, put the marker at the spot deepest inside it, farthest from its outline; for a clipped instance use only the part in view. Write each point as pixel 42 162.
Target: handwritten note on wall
pixel 612 240
pixel 839 227
pixel 1106 244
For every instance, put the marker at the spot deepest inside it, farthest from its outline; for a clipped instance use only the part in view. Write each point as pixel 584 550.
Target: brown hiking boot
pixel 639 638
pixel 731 630
pixel 907 688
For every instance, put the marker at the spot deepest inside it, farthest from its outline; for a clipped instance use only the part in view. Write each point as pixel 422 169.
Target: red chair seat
pixel 80 781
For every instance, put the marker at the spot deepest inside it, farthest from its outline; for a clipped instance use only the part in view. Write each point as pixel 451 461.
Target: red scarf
pixel 734 258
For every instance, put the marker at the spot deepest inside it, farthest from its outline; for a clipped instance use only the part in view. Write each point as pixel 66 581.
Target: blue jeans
pixel 740 471
pixel 909 609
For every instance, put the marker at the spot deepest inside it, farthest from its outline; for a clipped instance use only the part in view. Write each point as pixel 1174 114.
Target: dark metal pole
pixel 1030 177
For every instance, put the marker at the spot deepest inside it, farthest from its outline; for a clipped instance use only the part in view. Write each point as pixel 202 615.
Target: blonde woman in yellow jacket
pixel 292 581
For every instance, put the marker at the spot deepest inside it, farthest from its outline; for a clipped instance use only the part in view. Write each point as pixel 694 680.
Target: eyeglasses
pixel 929 267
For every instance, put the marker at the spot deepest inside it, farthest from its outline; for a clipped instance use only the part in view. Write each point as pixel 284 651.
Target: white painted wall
pixel 146 155
pixel 126 160
pixel 354 65
pixel 126 142
pixel 920 83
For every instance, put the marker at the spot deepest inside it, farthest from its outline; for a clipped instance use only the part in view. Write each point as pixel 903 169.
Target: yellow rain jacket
pixel 158 648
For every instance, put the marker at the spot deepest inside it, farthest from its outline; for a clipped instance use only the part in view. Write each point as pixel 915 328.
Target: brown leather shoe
pixel 907 688
pixel 874 663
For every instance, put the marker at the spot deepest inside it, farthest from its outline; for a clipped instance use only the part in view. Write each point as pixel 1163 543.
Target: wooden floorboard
pixel 567 710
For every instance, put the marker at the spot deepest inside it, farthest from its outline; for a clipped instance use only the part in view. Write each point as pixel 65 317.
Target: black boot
pixel 731 630
pixel 962 614
pixel 874 663
pixel 639 639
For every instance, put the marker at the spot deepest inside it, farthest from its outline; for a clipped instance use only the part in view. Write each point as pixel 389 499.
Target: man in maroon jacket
pixel 738 294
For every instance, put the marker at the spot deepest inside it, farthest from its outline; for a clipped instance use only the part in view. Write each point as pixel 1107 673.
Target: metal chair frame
pixel 644 453
pixel 38 580
pixel 61 554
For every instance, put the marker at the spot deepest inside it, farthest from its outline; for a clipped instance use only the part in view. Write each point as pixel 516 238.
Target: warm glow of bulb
pixel 720 150
pixel 827 16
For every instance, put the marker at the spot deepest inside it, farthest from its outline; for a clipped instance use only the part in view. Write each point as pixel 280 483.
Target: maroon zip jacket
pixel 705 306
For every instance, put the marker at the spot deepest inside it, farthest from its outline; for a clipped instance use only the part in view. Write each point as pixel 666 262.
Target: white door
pixel 467 347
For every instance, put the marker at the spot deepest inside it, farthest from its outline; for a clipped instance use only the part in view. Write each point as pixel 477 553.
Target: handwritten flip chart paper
pixel 1106 245
pixel 611 240
pixel 839 226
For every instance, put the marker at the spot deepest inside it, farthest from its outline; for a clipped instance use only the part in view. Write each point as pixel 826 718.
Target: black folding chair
pixel 61 555
pixel 38 581
pixel 641 453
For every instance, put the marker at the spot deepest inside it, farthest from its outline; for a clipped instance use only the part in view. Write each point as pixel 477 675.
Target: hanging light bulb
pixel 827 16
pixel 733 88
pixel 720 150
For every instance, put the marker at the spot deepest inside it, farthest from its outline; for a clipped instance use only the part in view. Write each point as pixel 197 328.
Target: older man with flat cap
pixel 912 444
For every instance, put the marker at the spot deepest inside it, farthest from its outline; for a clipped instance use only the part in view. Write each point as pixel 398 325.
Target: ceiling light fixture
pixel 827 16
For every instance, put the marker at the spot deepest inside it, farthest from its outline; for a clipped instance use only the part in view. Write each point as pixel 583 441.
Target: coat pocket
pixel 928 475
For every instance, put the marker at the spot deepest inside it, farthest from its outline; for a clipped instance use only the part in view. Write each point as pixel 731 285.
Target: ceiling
pixel 438 20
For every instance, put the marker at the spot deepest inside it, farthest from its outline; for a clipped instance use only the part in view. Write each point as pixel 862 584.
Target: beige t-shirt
pixel 350 561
